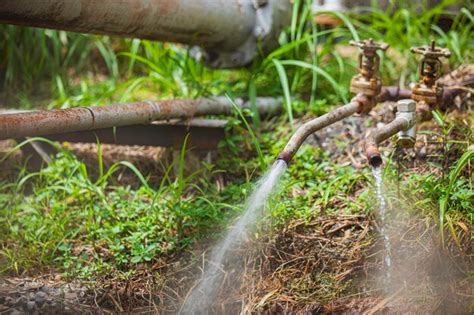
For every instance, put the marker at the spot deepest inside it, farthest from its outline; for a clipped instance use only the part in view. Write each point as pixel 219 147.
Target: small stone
pixel 70 296
pixel 41 294
pixel 421 154
pixel 45 289
pixel 40 299
pixel 22 301
pixel 31 306
pixel 9 301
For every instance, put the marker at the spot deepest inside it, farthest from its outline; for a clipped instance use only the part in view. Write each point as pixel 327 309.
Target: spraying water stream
pixel 377 172
pixel 201 298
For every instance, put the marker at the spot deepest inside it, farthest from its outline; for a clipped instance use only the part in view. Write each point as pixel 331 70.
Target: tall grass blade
pixel 252 134
pixel 286 89
pixel 320 71
pixel 453 176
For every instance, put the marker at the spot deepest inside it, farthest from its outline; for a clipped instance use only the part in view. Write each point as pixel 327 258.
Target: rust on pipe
pixel 316 124
pixel 185 21
pixel 47 122
pixel 371 144
pixel 395 93
pixel 228 30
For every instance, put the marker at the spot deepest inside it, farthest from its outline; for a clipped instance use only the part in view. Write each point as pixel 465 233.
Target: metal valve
pixel 369 61
pixel 367 81
pixel 407 110
pixel 426 92
pixel 430 66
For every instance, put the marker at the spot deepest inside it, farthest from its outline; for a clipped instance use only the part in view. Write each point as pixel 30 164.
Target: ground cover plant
pixel 81 220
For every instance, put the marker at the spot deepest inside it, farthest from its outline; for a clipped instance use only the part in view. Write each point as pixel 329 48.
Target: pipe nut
pixel 406 141
pixel 406 105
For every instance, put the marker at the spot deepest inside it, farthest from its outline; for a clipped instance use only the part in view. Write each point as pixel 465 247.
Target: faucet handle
pixel 369 46
pixel 430 66
pixel 431 51
pixel 367 82
pixel 369 61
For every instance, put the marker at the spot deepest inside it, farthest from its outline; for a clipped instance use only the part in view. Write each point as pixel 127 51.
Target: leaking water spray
pixel 369 92
pixel 201 298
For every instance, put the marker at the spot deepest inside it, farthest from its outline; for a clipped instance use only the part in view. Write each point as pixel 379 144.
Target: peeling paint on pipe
pixel 187 21
pixel 226 29
pixel 314 125
pixel 47 122
pixel 371 145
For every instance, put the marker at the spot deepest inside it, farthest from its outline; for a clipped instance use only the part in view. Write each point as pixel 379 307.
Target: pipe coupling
pixel 407 110
pixel 270 18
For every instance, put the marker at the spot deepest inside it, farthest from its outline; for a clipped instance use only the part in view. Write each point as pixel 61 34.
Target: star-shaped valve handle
pixel 369 61
pixel 430 67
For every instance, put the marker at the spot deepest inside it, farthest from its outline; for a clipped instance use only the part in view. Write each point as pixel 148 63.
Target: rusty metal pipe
pixel 404 123
pixel 314 125
pixel 47 122
pixel 392 94
pixel 395 93
pixel 228 30
pixel 371 145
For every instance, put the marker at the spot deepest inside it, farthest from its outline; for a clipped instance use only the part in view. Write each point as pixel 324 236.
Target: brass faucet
pixel 368 82
pixel 427 92
pixel 366 85
pixel 426 95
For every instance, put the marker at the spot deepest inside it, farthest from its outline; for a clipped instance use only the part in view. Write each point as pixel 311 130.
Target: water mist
pixel 202 296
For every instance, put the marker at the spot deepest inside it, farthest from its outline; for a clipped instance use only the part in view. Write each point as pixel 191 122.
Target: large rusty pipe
pixel 316 124
pixel 47 122
pixel 228 30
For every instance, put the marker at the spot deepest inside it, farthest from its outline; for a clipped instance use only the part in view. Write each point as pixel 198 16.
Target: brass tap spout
pixel 404 124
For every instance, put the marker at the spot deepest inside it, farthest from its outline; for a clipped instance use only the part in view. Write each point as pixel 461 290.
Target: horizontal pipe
pixel 395 93
pixel 228 30
pixel 47 122
pixel 380 135
pixel 204 22
pixel 314 125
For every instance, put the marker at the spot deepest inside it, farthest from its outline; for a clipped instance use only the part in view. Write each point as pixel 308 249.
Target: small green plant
pixel 457 191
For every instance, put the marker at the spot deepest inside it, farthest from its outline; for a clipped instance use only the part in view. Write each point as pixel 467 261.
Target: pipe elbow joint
pixel 404 124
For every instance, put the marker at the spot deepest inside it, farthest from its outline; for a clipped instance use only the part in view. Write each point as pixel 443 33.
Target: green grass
pixel 67 219
pixel 64 217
